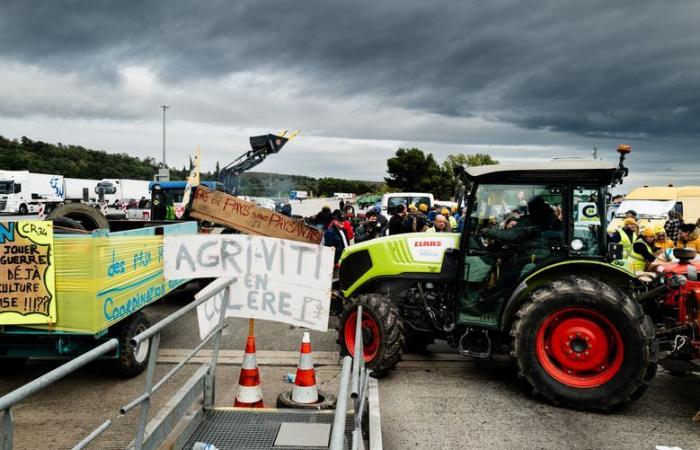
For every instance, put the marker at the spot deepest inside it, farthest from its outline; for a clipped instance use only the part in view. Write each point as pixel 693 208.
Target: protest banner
pixel 276 279
pixel 224 209
pixel 27 278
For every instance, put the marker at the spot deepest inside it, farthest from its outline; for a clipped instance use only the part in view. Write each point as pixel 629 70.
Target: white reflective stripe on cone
pixel 249 394
pixel 306 362
pixel 249 361
pixel 305 394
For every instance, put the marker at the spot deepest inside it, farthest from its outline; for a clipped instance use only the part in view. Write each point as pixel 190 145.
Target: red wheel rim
pixel 579 348
pixel 370 335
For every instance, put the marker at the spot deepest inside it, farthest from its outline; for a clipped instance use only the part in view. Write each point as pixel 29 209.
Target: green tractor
pixel 531 275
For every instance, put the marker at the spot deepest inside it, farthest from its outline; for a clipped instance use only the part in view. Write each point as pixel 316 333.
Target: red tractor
pixel 676 311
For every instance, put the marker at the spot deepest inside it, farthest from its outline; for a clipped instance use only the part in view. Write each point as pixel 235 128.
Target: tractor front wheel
pixel 382 332
pixel 584 344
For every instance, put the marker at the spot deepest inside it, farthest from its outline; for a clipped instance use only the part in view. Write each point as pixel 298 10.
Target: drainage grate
pixel 243 429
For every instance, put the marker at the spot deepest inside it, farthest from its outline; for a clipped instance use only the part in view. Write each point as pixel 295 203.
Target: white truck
pixel 298 195
pixel 21 192
pixel 80 190
pixel 392 200
pixel 123 190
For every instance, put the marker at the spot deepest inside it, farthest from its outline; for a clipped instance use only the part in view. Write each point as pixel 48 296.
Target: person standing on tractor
pixel 642 253
pixel 626 235
pixel 689 237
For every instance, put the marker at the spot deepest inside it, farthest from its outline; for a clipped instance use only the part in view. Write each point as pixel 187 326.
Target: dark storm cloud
pixel 594 68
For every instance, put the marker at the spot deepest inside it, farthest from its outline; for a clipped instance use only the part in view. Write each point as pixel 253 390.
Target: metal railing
pixel 148 435
pixel 355 383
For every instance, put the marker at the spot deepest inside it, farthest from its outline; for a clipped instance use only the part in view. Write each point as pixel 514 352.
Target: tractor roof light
pixel 624 149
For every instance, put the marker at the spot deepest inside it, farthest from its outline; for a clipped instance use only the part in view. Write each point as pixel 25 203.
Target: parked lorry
pixel 21 192
pixel 652 204
pixel 80 190
pixel 298 195
pixel 546 292
pixel 121 190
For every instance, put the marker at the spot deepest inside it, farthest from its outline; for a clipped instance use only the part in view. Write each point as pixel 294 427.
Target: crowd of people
pixel 343 227
pixel 650 245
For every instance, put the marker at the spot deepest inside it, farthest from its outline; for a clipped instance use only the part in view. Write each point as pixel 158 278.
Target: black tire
pixel 132 361
pixel 390 337
pixel 90 218
pixel 624 325
pixel 23 210
pixel 325 401
pixel 66 225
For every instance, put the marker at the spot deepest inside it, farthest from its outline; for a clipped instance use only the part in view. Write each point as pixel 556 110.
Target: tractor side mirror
pixel 615 251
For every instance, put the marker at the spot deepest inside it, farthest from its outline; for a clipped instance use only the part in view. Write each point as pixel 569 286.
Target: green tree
pixel 412 170
pixel 461 159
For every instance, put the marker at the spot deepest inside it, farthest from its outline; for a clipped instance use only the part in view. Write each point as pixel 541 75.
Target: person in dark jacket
pixel 396 221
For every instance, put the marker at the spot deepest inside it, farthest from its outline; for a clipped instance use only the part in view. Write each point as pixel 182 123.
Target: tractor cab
pixel 523 218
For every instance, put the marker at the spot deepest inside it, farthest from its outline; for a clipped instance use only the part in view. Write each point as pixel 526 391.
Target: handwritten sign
pixel 276 279
pixel 27 280
pixel 230 211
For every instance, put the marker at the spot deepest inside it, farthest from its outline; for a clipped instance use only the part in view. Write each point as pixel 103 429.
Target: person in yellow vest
pixel 642 253
pixel 626 235
pixel 450 218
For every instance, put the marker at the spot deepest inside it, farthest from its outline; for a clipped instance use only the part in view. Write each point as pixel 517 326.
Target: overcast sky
pixel 519 80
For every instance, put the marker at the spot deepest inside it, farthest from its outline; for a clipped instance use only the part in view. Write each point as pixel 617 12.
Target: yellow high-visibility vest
pixel 639 263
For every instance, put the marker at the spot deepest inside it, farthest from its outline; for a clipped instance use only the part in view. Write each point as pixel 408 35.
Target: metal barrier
pixel 201 382
pixel 355 384
pixel 355 375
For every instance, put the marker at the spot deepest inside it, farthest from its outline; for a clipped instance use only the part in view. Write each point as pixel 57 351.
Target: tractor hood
pixel 392 256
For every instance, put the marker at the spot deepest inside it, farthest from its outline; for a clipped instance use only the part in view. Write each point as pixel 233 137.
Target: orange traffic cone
pixel 249 393
pixel 305 390
pixel 305 394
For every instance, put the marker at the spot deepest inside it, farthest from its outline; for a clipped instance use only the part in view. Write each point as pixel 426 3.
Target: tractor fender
pixel 605 272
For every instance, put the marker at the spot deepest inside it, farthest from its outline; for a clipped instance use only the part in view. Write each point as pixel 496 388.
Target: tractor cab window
pixel 516 216
pixel 512 230
pixel 586 222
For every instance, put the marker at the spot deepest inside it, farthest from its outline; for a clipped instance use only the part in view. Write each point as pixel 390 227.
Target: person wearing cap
pixel 642 253
pixel 689 237
pixel 662 241
pixel 626 236
pixel 452 221
pixel 415 220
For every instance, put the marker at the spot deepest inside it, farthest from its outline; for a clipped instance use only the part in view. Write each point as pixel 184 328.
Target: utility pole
pixel 165 107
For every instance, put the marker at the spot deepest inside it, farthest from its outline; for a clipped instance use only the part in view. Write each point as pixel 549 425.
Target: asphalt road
pixel 435 401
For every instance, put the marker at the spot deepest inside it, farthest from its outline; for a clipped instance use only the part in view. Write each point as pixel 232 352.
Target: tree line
pixel 410 169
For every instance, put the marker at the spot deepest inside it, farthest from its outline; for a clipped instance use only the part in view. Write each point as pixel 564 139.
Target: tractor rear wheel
pixel 382 332
pixel 584 344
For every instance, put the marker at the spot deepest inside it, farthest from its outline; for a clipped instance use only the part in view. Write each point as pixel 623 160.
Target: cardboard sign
pixel 27 280
pixel 278 280
pixel 230 211
pixel 260 297
pixel 430 247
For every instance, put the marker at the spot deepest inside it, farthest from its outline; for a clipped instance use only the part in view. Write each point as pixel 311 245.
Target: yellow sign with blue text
pixel 27 273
